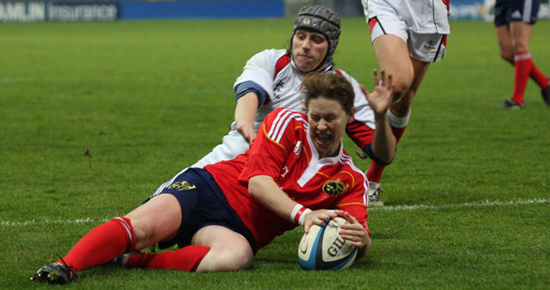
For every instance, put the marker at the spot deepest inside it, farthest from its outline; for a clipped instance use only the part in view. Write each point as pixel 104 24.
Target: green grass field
pixel 467 197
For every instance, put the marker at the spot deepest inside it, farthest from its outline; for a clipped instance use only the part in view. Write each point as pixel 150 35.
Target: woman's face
pixel 327 125
pixel 308 50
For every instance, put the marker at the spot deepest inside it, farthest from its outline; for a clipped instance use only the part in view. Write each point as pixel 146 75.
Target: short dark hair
pixel 330 86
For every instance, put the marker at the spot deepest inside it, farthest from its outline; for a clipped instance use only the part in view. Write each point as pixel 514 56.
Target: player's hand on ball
pixel 318 217
pixel 323 248
pixel 354 232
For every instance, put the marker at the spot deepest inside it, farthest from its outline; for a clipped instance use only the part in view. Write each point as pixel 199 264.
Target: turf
pixel 94 116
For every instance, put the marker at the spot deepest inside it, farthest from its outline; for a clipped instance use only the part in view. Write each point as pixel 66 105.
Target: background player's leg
pixel 504 39
pixel 392 55
pixel 521 32
pixel 408 75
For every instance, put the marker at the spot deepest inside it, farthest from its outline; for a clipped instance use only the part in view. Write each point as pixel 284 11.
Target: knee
pixel 226 261
pixel 519 46
pixel 401 108
pixel 234 261
pixel 507 56
pixel 146 233
pixel 402 85
pixel 143 235
pixel 507 53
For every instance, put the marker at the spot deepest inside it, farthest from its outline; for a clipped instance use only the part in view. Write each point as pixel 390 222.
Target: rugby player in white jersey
pixel 273 78
pixel 407 36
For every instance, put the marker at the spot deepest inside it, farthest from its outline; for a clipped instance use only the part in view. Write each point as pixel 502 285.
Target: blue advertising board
pixel 202 9
pixel 37 11
pixel 468 9
pixel 110 10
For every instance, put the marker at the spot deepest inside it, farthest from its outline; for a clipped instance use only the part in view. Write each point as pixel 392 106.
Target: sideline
pixel 384 208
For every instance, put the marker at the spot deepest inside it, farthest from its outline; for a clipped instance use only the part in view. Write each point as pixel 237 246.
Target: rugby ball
pixel 324 249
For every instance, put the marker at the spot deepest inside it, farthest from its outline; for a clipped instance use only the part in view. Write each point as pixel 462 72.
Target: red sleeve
pixel 275 141
pixel 360 133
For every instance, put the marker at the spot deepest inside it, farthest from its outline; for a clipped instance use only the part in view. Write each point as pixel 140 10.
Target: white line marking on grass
pixel 13 80
pixel 467 204
pixel 385 208
pixel 30 79
pixel 35 222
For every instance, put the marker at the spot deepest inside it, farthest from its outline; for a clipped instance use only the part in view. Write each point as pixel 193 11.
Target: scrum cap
pixel 322 20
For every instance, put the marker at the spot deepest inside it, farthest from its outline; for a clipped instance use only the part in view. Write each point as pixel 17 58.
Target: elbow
pixel 385 157
pixel 254 186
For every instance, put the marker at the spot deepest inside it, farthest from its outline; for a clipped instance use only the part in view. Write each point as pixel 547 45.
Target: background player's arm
pixel 245 113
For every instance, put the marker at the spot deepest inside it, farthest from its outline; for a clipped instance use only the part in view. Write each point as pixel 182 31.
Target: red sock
pixel 185 259
pixel 374 174
pixel 539 77
pixel 376 169
pixel 102 244
pixel 523 65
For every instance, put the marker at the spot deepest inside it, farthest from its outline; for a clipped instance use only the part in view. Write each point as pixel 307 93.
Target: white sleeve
pixel 363 111
pixel 261 69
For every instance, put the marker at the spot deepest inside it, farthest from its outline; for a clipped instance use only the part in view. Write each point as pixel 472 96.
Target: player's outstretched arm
pixel 383 143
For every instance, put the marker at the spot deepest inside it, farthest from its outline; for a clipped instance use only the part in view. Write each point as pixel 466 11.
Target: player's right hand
pixel 248 132
pixel 318 217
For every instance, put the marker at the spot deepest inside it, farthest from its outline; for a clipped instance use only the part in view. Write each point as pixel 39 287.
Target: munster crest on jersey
pixel 334 187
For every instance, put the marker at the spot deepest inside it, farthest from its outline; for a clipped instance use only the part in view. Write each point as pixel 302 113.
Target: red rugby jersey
pixel 283 150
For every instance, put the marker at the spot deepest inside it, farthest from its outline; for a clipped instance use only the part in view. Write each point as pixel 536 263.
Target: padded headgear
pixel 321 20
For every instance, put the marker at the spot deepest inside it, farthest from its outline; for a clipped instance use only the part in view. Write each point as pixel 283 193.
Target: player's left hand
pixel 247 131
pixel 381 97
pixel 354 232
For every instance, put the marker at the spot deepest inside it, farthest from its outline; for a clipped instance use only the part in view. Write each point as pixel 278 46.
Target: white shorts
pixel 423 25
pixel 422 47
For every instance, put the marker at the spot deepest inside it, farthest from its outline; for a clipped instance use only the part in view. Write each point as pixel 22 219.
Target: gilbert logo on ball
pixel 324 249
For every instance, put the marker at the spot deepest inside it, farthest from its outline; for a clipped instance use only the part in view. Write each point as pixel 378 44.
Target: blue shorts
pixel 507 11
pixel 202 204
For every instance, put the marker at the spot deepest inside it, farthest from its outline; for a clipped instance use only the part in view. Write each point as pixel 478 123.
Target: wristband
pixel 298 214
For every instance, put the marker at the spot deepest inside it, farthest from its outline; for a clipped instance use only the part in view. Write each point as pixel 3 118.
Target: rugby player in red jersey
pixel 296 173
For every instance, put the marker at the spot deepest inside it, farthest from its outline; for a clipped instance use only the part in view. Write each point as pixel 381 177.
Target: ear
pixel 350 117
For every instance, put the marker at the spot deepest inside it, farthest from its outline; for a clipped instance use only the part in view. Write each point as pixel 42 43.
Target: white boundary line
pixel 384 208
pixel 467 204
pixel 35 222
